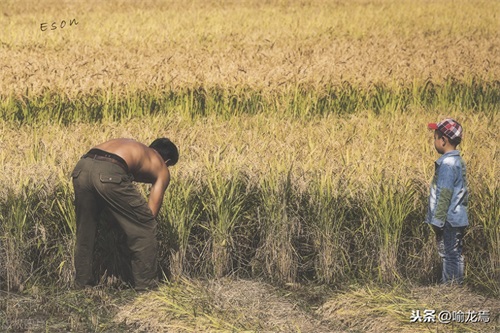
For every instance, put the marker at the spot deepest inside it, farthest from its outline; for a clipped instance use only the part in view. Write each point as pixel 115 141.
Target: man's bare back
pixel 145 164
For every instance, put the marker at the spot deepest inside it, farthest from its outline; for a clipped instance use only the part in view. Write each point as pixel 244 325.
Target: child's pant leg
pixel 450 245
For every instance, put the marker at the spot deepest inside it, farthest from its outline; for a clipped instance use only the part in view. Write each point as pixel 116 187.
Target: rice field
pixel 304 153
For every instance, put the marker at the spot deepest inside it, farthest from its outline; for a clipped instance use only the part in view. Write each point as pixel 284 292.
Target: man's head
pixel 167 150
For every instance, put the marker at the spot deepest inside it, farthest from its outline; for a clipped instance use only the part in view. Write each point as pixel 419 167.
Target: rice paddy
pixel 304 154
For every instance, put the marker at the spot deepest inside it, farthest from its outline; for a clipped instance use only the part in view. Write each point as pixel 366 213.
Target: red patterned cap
pixel 449 127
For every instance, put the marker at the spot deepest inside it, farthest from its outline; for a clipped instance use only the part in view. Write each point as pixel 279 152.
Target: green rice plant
pixel 12 242
pixel 224 207
pixel 328 215
pixel 181 211
pixel 63 232
pixel 38 236
pixel 65 208
pixel 301 102
pixel 485 213
pixel 298 101
pixel 389 202
pixel 278 217
pixel 382 98
pixel 341 99
pixel 417 257
pixel 193 103
pixel 15 230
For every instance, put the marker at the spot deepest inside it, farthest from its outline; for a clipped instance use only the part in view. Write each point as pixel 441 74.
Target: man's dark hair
pixel 167 150
pixel 454 142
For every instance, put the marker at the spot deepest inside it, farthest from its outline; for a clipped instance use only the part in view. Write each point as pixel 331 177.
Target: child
pixel 447 212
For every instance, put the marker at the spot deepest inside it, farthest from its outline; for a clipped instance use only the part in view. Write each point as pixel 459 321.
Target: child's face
pixel 439 143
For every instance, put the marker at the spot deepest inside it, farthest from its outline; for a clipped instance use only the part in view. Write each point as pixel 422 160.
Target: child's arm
pixel 444 193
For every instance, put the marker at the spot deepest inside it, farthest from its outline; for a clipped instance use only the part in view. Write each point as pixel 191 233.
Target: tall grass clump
pixel 38 229
pixel 14 230
pixel 224 208
pixel 388 203
pixel 484 217
pixel 328 218
pixel 36 241
pixel 181 212
pixel 278 216
pixel 490 220
pixel 63 229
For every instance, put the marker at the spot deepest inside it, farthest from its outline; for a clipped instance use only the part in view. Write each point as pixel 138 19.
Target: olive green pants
pixel 103 185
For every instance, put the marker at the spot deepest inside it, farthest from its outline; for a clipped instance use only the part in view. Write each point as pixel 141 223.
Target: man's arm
pixel 158 190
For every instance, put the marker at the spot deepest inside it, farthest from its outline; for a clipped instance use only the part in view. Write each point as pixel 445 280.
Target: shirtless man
pixel 102 179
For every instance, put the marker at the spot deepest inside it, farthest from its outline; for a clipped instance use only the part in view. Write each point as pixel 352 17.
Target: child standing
pixel 447 212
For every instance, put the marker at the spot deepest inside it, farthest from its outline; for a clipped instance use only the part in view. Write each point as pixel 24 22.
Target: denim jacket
pixel 448 194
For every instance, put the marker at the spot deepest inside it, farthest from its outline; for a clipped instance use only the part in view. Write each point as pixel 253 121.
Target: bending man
pixel 102 179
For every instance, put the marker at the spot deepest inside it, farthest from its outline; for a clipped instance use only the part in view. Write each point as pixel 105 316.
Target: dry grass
pixel 376 309
pixel 217 306
pixel 233 305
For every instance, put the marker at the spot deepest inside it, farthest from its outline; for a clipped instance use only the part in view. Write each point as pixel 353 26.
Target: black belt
pixel 102 155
